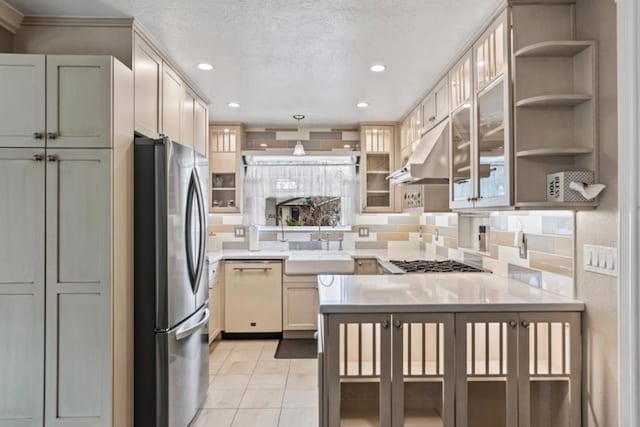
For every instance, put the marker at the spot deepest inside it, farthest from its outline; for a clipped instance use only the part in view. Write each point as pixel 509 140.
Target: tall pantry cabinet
pixel 66 166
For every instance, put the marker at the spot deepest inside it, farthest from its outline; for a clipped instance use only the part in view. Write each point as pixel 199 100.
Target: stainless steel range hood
pixel 429 163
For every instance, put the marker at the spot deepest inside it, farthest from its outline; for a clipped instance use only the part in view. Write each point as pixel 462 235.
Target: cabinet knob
pixel 38 135
pixel 385 324
pixel 52 135
pixel 52 158
pixel 398 324
pixel 432 118
pixel 525 323
pixel 513 323
pixel 37 157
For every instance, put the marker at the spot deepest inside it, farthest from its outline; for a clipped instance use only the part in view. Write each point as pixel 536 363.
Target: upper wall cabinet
pixel 122 38
pixel 225 171
pixel 172 92
pixel 147 67
pixel 461 83
pixel 435 106
pixel 188 118
pixel 22 100
pixel 377 159
pixel 492 162
pixel 66 101
pixel 201 126
pixel 523 105
pixel 480 147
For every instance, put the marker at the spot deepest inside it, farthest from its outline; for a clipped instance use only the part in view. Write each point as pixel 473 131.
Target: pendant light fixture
pixel 299 148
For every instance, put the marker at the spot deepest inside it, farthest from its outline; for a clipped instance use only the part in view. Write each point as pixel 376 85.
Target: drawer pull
pixel 252 268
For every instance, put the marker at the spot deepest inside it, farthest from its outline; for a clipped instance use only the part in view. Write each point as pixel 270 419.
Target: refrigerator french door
pixel 171 286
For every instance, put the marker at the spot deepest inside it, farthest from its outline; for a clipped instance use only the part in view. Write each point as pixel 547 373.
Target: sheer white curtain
pixel 284 181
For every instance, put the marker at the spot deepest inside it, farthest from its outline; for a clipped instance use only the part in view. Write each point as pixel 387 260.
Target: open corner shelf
pixel 559 100
pixel 555 151
pixel 566 48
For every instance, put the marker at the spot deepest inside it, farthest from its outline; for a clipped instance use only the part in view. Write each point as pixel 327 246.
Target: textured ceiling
pixel 282 57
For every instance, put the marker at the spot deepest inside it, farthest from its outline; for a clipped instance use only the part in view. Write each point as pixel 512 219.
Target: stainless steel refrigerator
pixel 171 372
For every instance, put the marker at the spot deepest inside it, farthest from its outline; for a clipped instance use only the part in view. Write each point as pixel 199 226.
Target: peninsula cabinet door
pixel 78 257
pixel 22 183
pixel 357 378
pixel 487 370
pixel 550 361
pixel 22 100
pixel 78 101
pixel 423 370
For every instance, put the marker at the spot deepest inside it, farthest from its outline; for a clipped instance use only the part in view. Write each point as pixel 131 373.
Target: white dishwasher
pixel 253 296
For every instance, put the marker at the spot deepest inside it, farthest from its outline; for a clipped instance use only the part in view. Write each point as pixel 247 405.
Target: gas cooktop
pixel 422 266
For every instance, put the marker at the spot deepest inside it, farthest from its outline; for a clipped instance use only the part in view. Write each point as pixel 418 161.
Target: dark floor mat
pixel 297 349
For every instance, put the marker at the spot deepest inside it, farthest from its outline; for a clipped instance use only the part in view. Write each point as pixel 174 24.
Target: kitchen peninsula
pixel 428 349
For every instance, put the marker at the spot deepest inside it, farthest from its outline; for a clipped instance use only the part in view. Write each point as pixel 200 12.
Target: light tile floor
pixel 248 387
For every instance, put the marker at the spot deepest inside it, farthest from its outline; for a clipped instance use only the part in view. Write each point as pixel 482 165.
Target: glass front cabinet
pixel 480 90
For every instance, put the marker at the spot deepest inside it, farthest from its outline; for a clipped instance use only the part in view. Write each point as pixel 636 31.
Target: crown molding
pixel 74 21
pixel 10 17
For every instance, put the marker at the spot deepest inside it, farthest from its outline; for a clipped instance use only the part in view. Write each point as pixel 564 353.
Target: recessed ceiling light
pixel 205 66
pixel 362 104
pixel 226 130
pixel 375 131
pixel 378 68
pixel 233 105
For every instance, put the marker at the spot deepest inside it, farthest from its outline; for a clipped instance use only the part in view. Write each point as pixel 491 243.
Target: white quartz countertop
pixel 382 255
pixel 435 292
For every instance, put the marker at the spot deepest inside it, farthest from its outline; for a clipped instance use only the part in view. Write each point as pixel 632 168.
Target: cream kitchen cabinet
pixel 435 106
pixel 23 100
pixel 225 170
pixel 22 294
pixel 147 67
pixel 378 158
pixel 481 153
pixel 188 117
pixel 67 303
pixel 64 101
pixel 201 127
pixel 172 93
pixel 518 369
pixel 388 369
pixel 300 303
pixel 195 127
pixel 367 266
pixel 215 302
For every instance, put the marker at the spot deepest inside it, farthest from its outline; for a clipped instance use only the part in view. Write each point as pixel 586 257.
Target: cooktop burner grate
pixel 422 266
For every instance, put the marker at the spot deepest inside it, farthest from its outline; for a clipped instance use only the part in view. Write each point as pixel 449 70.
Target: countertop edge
pixel 452 308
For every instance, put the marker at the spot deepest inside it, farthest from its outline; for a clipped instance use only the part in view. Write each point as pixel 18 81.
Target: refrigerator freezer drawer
pixel 253 296
pixel 183 375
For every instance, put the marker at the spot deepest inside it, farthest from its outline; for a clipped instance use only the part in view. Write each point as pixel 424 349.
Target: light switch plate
pixel 601 259
pixel 363 231
pixel 238 231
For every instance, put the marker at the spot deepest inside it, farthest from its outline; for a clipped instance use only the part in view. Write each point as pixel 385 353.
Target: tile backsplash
pixel 549 235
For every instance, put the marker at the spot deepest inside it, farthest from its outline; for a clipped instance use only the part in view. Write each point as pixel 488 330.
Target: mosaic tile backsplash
pixel 549 236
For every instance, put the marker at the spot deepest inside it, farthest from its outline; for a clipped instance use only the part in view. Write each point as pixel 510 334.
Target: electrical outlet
pixel 363 231
pixel 238 231
pixel 601 259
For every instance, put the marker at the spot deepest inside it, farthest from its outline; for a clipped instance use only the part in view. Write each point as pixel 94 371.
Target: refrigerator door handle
pixel 202 218
pixel 185 331
pixel 187 232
